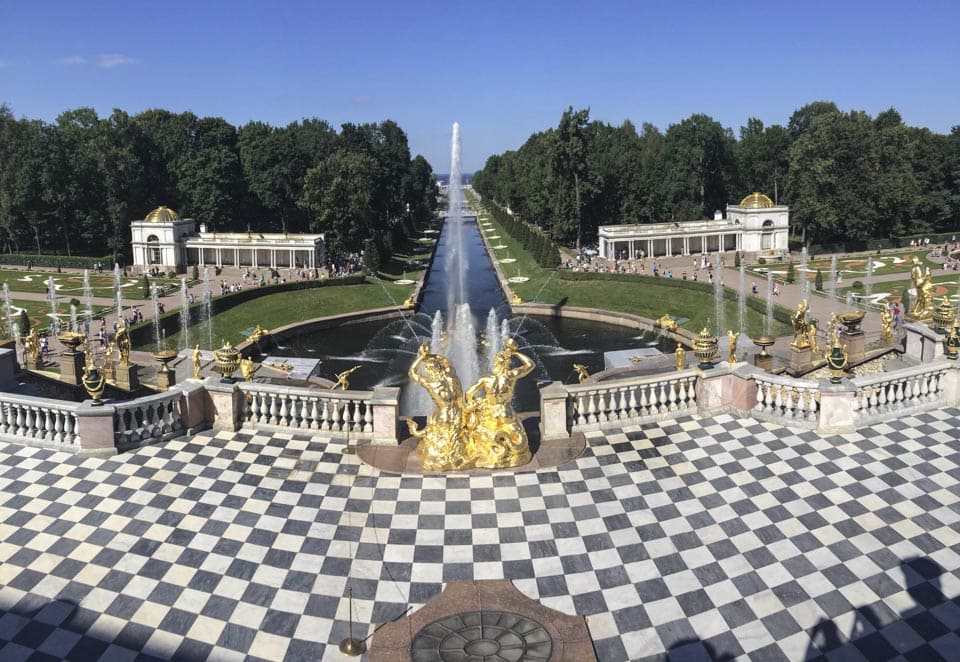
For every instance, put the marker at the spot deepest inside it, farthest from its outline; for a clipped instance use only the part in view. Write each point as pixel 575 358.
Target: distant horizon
pixel 503 71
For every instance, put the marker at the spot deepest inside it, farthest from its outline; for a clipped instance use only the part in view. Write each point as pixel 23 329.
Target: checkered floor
pixel 712 537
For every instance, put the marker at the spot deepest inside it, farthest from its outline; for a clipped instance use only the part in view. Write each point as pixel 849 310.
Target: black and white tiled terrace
pixel 702 537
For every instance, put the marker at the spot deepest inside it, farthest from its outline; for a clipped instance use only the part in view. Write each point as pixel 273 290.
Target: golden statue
pixel 800 326
pixel 516 301
pixel 247 368
pixel 123 341
pixel 442 441
pixel 923 284
pixel 196 361
pixel 31 347
pixel 582 374
pixel 680 357
pixel 732 346
pixel 812 338
pixel 886 320
pixel 496 437
pixel 109 371
pixel 409 302
pixel 666 323
pixel 342 380
pixel 257 334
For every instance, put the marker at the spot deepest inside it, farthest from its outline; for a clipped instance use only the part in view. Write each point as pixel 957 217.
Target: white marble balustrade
pixel 787 400
pixel 338 413
pixel 39 421
pixel 632 400
pixel 903 391
pixel 153 418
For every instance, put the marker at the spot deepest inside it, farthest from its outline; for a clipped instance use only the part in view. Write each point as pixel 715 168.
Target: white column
pixel 219 262
pixel 686 245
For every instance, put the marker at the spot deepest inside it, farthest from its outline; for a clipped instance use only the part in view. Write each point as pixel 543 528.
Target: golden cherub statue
pixel 516 300
pixel 680 357
pixel 442 441
pixel 196 361
pixel 409 302
pixel 257 334
pixel 732 346
pixel 123 341
pixel 582 374
pixel 812 338
pixel 800 326
pixel 923 284
pixel 247 368
pixel 31 347
pixel 886 321
pixel 666 322
pixel 342 380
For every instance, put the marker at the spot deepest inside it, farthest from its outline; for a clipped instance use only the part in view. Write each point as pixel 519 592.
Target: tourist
pixel 753 287
pixel 776 289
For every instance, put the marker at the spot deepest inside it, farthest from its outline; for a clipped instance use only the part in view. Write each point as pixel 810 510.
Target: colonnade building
pixel 170 243
pixel 756 225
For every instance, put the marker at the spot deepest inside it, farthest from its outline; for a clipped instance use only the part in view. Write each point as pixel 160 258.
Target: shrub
pixel 791 274
pixel 905 302
pixel 857 285
pixel 171 274
pixel 371 257
pixel 818 281
pixel 74 301
pixel 146 287
pixel 23 321
pixel 761 260
pixel 736 260
pixel 195 273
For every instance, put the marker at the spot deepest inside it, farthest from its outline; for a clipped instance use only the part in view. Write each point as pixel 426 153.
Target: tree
pixel 23 321
pixel 371 256
pixel 791 275
pixel 818 281
pixel 338 193
pixel 569 164
pixel 699 160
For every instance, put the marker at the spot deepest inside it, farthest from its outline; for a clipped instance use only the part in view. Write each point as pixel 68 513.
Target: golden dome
pixel 162 214
pixel 756 200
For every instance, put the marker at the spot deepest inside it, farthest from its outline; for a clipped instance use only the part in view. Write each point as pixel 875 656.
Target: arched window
pixel 154 254
pixel 766 237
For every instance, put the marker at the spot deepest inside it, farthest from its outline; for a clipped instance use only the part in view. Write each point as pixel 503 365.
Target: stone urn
pixel 951 344
pixel 165 357
pixel 93 382
pixel 705 348
pixel 71 340
pixel 226 360
pixel 837 362
pixel 763 342
pixel 943 316
pixel 851 322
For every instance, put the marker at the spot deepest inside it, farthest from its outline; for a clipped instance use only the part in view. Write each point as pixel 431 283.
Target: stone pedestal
pixel 553 412
pixel 386 415
pixel 923 343
pixel 227 403
pixel 763 361
pixel 95 429
pixel 127 376
pixel 856 345
pixel 71 367
pixel 836 408
pixel 166 379
pixel 800 358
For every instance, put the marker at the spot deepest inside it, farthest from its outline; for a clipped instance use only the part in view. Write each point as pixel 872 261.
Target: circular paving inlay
pixel 482 636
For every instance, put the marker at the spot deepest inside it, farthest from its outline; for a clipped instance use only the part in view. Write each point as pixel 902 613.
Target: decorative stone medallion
pixel 482 636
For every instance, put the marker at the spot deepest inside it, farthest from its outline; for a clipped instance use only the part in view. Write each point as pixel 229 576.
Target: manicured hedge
pixel 67 261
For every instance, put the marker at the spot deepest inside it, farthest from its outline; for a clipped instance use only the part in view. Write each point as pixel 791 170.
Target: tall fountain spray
pixel 52 300
pixel 491 336
pixel 768 320
pixel 868 288
pixel 742 301
pixel 87 296
pixel 207 295
pixel 155 302
pixel 184 315
pixel 10 325
pixel 833 276
pixel 456 261
pixel 718 294
pixel 804 281
pixel 73 317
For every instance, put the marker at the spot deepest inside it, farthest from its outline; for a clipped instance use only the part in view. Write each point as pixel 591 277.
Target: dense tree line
pixel 73 186
pixel 849 178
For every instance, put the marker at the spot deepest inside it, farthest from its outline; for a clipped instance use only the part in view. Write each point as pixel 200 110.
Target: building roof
pixel 756 200
pixel 162 214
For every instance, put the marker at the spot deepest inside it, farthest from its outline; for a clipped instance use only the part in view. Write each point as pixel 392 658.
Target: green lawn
pixel 283 308
pixel 853 267
pixel 39 312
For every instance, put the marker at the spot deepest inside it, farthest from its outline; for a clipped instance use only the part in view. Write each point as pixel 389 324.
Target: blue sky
pixel 502 69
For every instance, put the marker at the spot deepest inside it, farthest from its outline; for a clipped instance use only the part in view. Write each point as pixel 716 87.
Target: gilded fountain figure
pixel 123 341
pixel 496 438
pixel 442 442
pixel 801 328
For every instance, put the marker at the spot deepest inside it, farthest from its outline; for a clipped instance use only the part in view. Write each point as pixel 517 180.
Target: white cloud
pixel 72 59
pixel 110 60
